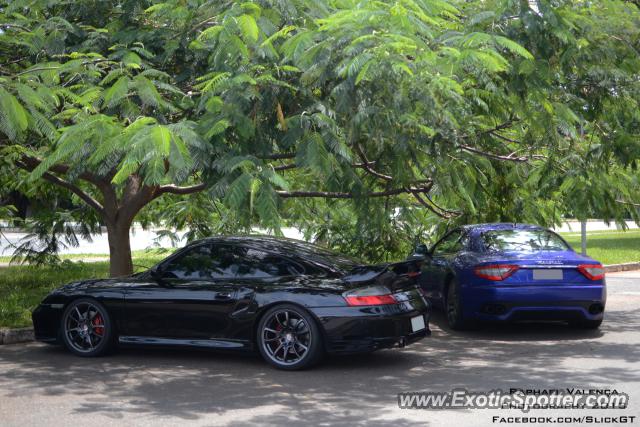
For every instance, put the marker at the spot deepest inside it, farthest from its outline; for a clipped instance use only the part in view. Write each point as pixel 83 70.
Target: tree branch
pixel 278 156
pixel 510 157
pixel 32 162
pixel 441 212
pixel 69 186
pixel 345 195
pixel 624 202
pixel 210 20
pixel 174 189
pixel 366 165
pixel 285 167
pixel 496 134
pixel 501 126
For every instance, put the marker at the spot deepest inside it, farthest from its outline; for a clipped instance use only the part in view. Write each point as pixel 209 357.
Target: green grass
pixel 22 287
pixel 609 247
pixel 90 256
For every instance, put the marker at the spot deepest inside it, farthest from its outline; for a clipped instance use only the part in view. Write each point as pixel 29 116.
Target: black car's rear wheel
pixel 86 328
pixel 289 338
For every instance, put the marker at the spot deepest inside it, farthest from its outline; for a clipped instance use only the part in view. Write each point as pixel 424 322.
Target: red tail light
pixel 495 271
pixel 354 300
pixel 592 271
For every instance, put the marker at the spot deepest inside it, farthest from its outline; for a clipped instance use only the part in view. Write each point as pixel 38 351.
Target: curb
pixel 613 268
pixel 14 336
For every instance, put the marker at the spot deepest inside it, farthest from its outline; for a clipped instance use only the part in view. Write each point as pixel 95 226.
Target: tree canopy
pixel 362 122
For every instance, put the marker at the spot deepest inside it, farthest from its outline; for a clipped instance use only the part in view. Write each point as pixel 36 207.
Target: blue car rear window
pixel 522 240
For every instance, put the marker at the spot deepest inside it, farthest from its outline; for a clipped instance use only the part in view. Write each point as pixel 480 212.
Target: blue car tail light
pixel 592 271
pixel 495 272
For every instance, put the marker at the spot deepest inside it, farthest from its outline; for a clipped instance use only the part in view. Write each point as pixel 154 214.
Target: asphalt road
pixel 43 385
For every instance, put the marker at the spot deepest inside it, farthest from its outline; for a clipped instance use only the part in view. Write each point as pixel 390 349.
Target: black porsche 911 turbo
pixel 290 300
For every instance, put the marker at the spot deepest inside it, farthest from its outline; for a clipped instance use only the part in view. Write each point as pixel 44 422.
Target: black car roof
pixel 281 245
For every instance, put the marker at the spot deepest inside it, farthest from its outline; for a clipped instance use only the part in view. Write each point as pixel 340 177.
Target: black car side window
pixel 203 262
pixel 257 264
pixel 450 244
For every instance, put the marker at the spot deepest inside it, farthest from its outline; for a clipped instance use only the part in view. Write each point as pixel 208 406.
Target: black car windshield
pixel 522 240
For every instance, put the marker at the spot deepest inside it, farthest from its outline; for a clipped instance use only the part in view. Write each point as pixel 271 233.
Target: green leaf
pixel 513 47
pixel 278 34
pixel 362 74
pixel 210 33
pixel 238 190
pixel 161 136
pixel 132 60
pixel 218 128
pixel 116 93
pixel 249 28
pixel 13 117
pixel 213 81
pixel 147 91
pixel 267 206
pixel 124 171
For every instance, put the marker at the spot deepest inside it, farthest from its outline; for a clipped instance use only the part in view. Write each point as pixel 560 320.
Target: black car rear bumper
pixel 353 346
pixel 365 329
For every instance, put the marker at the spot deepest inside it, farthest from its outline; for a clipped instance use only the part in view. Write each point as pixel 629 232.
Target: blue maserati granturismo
pixel 511 272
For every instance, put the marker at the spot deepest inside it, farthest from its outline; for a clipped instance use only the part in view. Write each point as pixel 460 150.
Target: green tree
pixel 359 111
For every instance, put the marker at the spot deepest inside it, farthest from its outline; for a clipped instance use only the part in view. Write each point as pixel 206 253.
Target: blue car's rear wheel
pixel 586 324
pixel 453 307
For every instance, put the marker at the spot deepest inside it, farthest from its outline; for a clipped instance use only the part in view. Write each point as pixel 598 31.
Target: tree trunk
pixel 120 263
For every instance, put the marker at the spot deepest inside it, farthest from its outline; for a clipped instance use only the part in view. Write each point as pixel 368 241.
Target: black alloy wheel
pixel 86 328
pixel 288 338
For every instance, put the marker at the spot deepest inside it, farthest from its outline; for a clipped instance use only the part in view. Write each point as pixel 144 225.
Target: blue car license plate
pixel 547 274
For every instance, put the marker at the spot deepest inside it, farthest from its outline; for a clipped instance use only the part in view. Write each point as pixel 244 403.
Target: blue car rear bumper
pixel 518 302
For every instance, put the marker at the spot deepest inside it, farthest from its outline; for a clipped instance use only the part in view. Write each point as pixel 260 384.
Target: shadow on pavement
pixel 188 384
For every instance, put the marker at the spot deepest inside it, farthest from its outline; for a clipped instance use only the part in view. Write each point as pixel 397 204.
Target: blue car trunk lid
pixel 542 267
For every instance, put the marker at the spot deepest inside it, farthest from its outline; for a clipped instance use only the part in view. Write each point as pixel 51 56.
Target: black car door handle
pixel 223 296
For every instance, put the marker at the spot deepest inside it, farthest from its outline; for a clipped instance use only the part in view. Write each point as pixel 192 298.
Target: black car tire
pixel 586 324
pixel 86 328
pixel 298 330
pixel 452 307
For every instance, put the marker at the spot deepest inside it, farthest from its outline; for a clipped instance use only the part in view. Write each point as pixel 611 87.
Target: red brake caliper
pixel 97 320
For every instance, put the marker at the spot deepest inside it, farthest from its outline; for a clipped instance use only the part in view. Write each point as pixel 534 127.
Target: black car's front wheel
pixel 289 338
pixel 86 328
